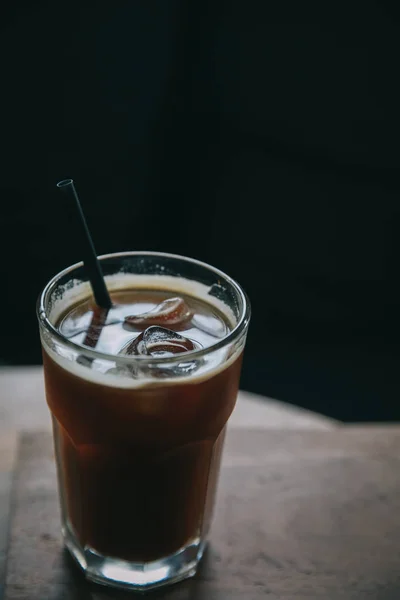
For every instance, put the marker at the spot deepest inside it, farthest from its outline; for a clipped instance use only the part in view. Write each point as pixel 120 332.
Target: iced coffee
pixel 140 395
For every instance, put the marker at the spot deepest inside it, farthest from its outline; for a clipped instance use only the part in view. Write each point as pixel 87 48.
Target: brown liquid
pixel 139 466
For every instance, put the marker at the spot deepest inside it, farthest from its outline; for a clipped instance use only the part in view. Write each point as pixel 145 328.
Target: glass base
pixel 134 575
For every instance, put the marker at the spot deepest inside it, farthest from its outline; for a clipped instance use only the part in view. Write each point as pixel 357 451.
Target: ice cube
pixel 136 346
pixel 172 312
pixel 158 341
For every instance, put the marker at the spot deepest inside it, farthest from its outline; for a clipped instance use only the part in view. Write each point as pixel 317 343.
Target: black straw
pixel 90 259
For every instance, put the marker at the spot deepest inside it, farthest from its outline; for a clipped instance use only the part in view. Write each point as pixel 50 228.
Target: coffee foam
pixel 211 364
pixel 218 363
pixel 78 291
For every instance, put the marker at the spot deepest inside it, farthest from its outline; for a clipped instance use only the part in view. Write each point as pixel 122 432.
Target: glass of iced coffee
pixel 140 395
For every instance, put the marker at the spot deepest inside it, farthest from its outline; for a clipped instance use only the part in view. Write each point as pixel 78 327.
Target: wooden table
pixel 302 514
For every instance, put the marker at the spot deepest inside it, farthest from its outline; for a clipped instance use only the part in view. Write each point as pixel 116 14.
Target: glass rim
pixel 235 333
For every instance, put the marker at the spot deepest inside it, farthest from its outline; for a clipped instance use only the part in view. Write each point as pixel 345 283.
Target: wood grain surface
pixel 300 515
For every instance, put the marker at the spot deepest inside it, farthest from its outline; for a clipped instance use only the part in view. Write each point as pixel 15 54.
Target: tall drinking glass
pixel 138 438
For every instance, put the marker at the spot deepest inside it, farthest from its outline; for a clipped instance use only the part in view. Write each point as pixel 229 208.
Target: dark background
pixel 261 137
